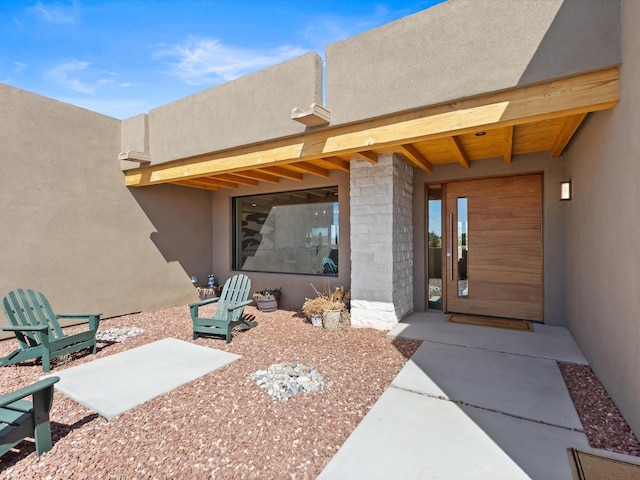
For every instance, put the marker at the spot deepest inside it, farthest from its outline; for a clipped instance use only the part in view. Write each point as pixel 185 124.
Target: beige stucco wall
pixel 70 227
pixel 603 228
pixel 554 212
pixel 295 287
pixel 246 110
pixel 463 48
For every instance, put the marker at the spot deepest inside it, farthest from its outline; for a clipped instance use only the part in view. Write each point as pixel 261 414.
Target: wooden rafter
pixel 338 163
pixel 368 156
pixel 569 127
pixel 458 152
pixel 258 175
pixel 238 179
pixel 284 172
pixel 508 143
pixel 197 183
pixel 306 167
pixel 574 97
pixel 415 157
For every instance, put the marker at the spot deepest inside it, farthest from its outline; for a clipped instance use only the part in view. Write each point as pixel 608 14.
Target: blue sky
pixel 121 58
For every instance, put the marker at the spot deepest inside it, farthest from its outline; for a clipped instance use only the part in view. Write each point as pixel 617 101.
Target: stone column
pixel 381 241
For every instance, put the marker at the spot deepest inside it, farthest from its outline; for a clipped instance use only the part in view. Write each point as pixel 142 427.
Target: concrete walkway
pixel 472 403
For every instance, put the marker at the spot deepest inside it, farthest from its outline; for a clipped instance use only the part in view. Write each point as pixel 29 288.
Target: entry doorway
pixel 490 249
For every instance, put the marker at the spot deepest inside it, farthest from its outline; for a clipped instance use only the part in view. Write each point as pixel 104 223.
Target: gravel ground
pixel 221 425
pixel 602 422
pixel 224 426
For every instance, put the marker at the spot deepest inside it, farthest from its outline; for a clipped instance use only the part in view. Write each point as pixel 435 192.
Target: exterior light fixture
pixel 565 190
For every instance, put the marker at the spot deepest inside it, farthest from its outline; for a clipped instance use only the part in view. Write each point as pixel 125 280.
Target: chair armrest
pixel 24 328
pixel 240 304
pixel 94 318
pixel 193 307
pixel 204 302
pixel 77 315
pixel 28 390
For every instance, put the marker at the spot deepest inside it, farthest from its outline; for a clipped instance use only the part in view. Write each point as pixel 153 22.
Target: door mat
pixel 494 322
pixel 587 466
pixel 113 385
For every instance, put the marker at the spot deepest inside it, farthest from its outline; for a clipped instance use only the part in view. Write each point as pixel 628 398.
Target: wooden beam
pixel 283 172
pixel 569 127
pixel 338 162
pixel 197 183
pixel 416 157
pixel 258 175
pixel 458 152
pixel 307 167
pixel 368 156
pixel 570 96
pixel 229 177
pixel 219 182
pixel 508 144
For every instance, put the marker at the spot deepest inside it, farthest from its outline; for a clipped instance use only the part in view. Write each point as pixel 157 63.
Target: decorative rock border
pixel 117 334
pixel 284 380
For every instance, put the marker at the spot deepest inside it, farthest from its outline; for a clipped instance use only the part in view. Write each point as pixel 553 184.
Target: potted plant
pixel 267 299
pixel 324 309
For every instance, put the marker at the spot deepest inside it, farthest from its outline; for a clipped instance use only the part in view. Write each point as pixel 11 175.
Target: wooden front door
pixel 493 245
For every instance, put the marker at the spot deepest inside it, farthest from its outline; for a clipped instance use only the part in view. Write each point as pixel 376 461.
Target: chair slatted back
pixel 236 289
pixel 30 308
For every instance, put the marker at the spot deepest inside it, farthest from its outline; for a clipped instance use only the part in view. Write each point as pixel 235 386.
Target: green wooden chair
pixel 38 331
pixel 228 318
pixel 20 419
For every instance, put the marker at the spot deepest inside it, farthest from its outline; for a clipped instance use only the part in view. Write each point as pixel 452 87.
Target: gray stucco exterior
pixel 73 230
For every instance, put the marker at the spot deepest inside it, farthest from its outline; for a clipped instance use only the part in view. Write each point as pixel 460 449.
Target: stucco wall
pixel 554 212
pixel 70 227
pixel 295 287
pixel 246 110
pixel 603 229
pixel 463 48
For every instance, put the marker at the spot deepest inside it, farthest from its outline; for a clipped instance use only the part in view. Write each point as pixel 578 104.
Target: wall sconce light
pixel 565 190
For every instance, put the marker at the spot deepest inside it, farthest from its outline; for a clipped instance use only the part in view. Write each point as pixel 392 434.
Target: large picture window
pixel 287 232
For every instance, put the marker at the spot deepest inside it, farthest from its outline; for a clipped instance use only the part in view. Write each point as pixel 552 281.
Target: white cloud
pixel 120 108
pixel 57 13
pixel 17 68
pixel 205 61
pixel 79 76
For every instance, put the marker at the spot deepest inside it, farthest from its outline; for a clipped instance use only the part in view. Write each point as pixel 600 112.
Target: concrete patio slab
pixel 517 385
pixel 539 449
pixel 473 402
pixel 406 435
pixel 544 342
pixel 113 385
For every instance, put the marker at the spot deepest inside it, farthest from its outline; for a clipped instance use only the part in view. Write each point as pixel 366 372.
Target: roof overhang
pixel 535 118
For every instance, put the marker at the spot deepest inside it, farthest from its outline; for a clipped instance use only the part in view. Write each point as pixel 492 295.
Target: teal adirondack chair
pixel 38 331
pixel 227 319
pixel 20 418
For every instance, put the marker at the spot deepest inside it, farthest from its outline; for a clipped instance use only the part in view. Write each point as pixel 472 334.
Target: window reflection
pixel 463 245
pixel 434 210
pixel 288 232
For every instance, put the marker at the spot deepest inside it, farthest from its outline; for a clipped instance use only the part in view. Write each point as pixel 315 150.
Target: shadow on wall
pixel 183 222
pixel 595 29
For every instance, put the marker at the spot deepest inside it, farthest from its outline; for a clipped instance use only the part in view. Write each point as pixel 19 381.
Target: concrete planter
pixel 331 319
pixel 316 320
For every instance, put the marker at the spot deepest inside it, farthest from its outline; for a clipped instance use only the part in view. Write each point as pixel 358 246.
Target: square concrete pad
pixel 112 385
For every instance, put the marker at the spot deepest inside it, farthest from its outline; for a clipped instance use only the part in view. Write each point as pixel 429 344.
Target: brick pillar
pixel 381 241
